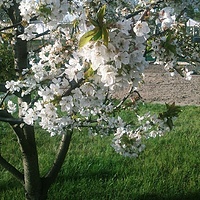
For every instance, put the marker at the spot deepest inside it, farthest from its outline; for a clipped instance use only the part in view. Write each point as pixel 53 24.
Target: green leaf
pixel 168 44
pixel 168 39
pixel 105 36
pixel 100 15
pixel 93 22
pixel 99 32
pixel 88 36
pixel 89 73
pixel 172 48
pixel 172 111
pixel 45 9
pixel 98 35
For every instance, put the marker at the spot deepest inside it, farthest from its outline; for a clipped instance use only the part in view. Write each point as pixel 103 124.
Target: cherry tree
pixel 91 51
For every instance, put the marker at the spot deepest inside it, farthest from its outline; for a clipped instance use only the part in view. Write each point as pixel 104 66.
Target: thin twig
pixel 143 10
pixel 3 99
pixel 125 98
pixel 9 27
pixel 134 14
pixel 41 34
pixel 74 85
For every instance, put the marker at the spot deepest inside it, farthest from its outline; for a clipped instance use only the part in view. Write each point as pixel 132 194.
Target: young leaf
pixel 101 14
pixel 172 111
pixel 93 22
pixel 172 48
pixel 89 73
pixel 45 9
pixel 98 35
pixel 88 36
pixel 105 36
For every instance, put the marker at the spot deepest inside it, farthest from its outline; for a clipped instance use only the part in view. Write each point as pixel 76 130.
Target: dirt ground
pixel 160 87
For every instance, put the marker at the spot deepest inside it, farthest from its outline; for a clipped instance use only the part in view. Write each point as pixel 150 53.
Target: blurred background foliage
pixel 7 71
pixel 6 63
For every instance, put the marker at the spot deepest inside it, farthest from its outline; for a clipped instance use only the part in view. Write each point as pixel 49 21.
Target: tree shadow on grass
pixel 104 175
pixel 190 196
pixel 12 183
pixel 101 181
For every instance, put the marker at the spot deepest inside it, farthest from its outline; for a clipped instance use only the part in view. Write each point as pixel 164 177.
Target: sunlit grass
pixel 167 169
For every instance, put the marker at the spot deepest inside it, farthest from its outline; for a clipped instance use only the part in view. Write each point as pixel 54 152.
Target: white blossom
pixel 13 86
pixel 141 28
pixel 11 107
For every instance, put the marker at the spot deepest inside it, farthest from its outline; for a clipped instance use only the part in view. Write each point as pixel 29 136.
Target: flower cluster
pixel 95 49
pixel 129 141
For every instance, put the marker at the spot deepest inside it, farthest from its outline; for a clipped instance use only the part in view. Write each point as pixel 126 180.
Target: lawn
pixel 167 169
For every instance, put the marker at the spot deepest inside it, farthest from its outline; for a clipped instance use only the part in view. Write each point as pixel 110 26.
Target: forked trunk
pixel 36 188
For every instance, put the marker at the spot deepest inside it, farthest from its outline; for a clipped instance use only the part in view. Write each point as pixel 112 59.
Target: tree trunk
pixel 32 182
pixel 37 188
pixel 26 136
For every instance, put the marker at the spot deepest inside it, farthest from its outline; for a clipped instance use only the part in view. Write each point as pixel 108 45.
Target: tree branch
pixel 3 99
pixel 16 173
pixel 181 13
pixel 9 27
pixel 74 85
pixel 11 120
pixel 41 34
pixel 134 14
pixel 3 89
pixel 50 177
pixel 143 10
pixel 7 117
pixel 125 98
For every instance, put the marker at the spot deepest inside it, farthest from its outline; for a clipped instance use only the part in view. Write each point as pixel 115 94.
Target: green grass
pixel 167 169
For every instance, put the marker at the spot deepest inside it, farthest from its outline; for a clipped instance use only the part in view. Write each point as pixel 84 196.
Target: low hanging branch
pixel 74 85
pixel 41 34
pixel 16 173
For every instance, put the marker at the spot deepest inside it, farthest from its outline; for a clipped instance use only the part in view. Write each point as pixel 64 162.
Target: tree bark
pixel 32 182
